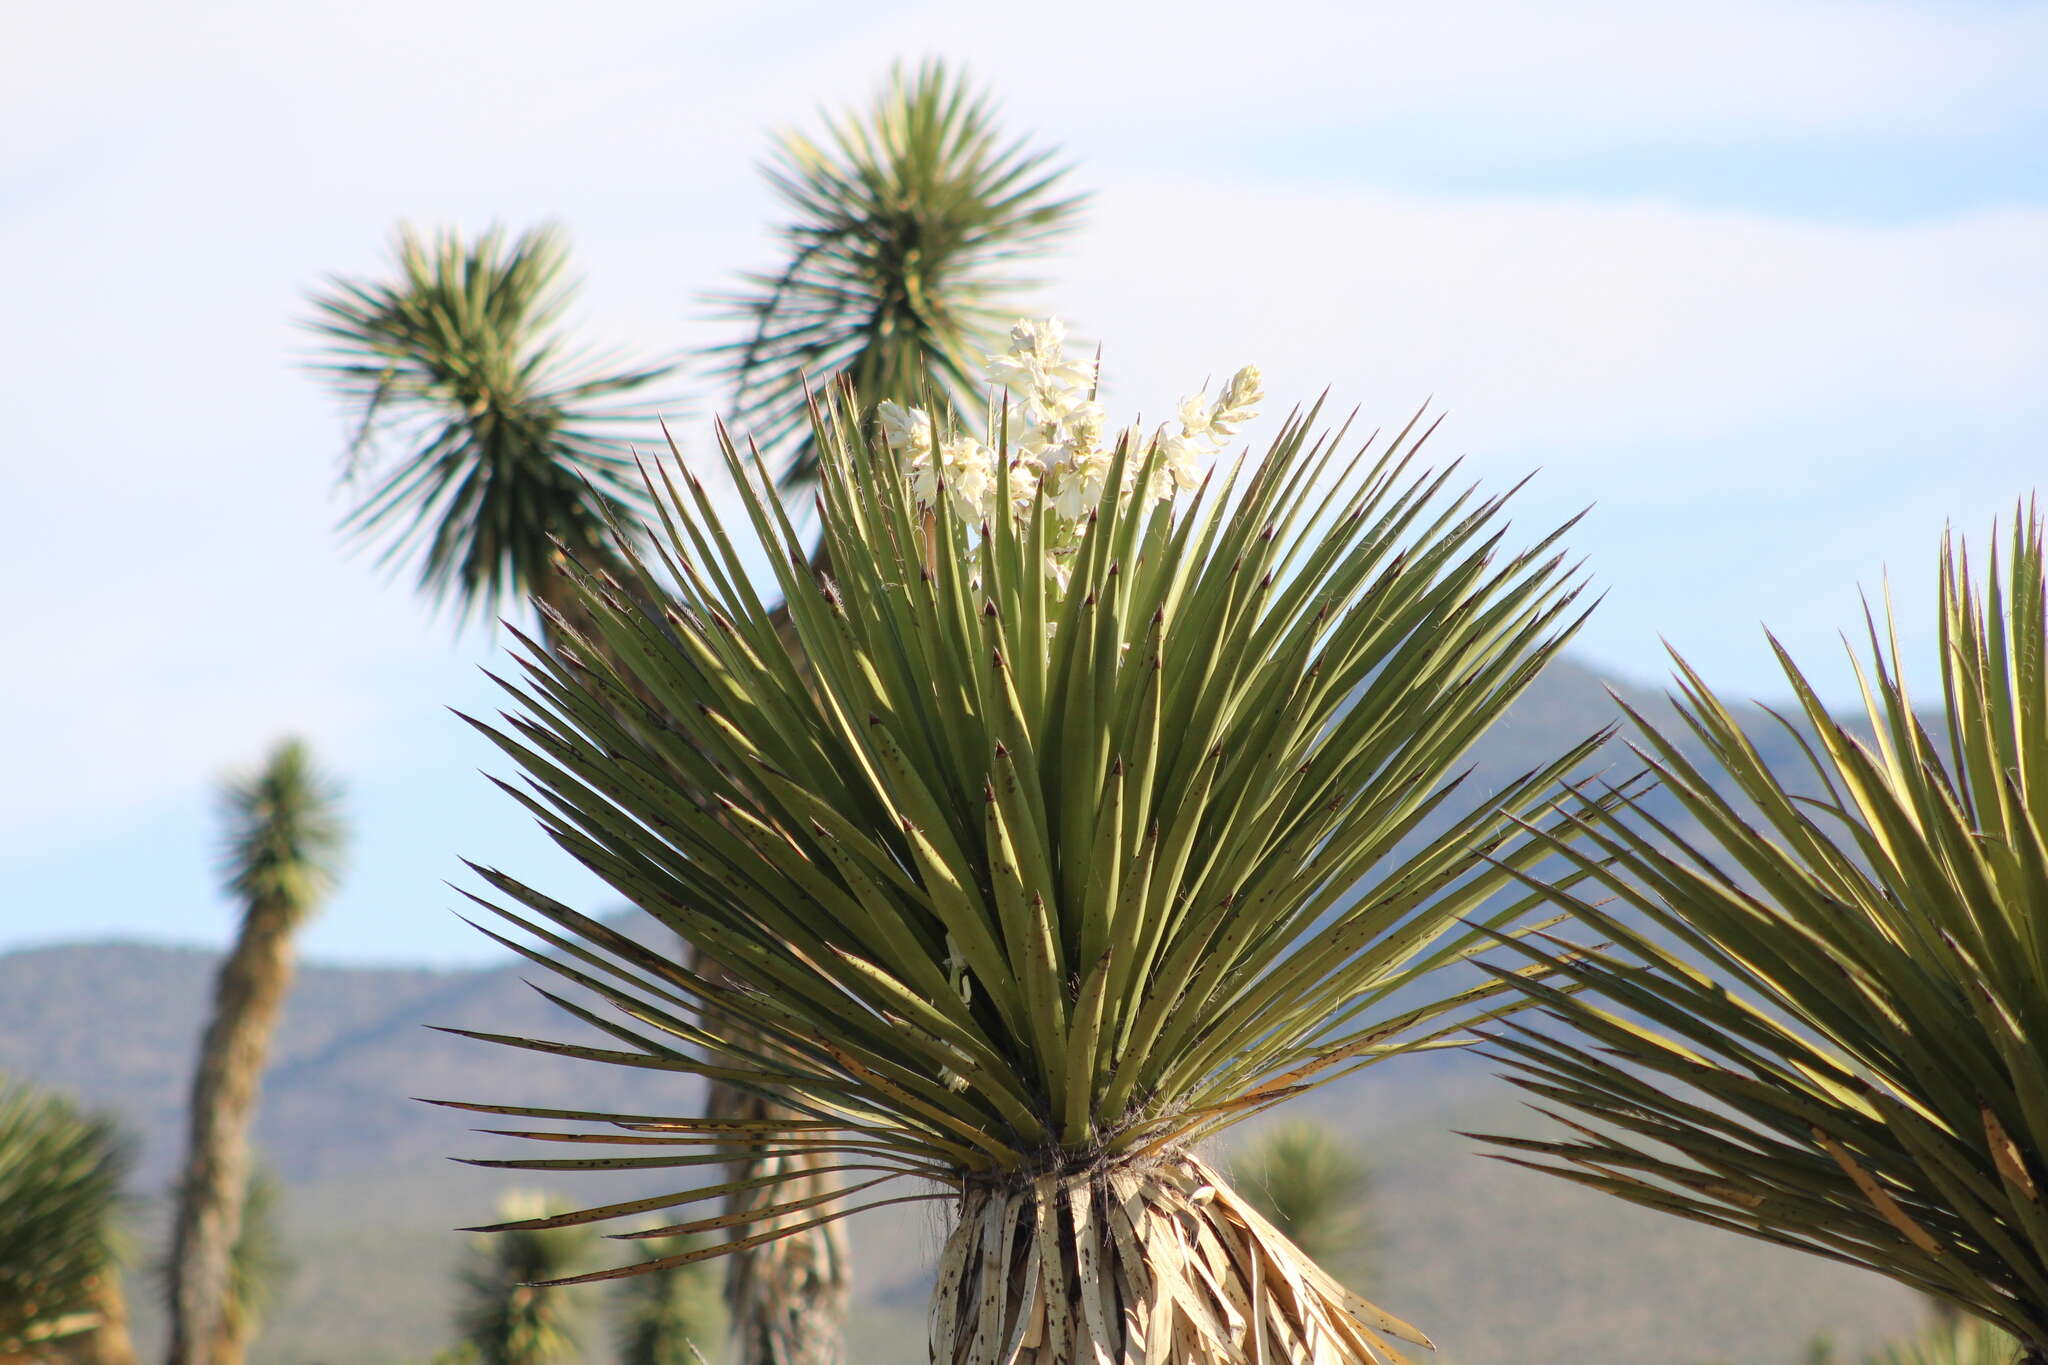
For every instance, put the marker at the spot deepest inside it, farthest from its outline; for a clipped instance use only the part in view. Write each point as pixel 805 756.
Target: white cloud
pixel 1585 330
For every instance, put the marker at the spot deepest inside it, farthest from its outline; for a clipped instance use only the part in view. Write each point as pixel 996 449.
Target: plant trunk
pixel 248 997
pixel 230 1341
pixel 786 1298
pixel 1138 1264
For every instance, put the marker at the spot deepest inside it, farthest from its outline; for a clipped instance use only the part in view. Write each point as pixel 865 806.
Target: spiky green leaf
pixel 1823 1019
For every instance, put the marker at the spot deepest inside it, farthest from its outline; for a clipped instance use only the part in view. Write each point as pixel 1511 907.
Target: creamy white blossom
pixel 1181 458
pixel 1050 431
pixel 1239 403
pixel 1036 362
pixel 966 466
pixel 908 430
pixel 970 477
pixel 1204 426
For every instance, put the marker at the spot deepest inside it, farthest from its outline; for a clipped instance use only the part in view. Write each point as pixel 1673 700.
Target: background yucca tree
pixel 663 1318
pixel 905 223
pixel 505 1317
pixel 1958 1341
pixel 61 1173
pixel 1824 1025
pixel 283 846
pixel 1036 883
pixel 484 435
pixel 1947 1341
pixel 1955 1342
pixel 1310 1182
pixel 900 238
pixel 512 456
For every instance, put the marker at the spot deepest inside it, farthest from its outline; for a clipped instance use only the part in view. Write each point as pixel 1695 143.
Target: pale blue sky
pixel 1767 282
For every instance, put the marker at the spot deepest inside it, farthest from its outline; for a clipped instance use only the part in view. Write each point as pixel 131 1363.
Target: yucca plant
pixel 1822 1019
pixel 664 1317
pixel 499 453
pixel 487 436
pixel 1311 1183
pixel 1954 1342
pixel 60 1189
pixel 786 1298
pixel 1098 820
pixel 905 222
pixel 505 1317
pixel 281 860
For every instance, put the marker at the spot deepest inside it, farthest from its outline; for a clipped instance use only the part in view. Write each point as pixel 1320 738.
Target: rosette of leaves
pixel 60 1189
pixel 1822 1022
pixel 486 434
pixel 1034 888
pixel 907 219
pixel 506 1314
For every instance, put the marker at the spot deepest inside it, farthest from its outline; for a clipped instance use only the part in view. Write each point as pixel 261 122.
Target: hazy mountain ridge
pixel 118 1023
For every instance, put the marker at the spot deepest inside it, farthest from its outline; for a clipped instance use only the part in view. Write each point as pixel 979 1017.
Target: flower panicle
pixel 1054 436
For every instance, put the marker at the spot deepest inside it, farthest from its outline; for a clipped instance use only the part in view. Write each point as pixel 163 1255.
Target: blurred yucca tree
pixel 505 1316
pixel 1955 1342
pixel 1823 1024
pixel 281 859
pixel 487 437
pixel 60 1190
pixel 1094 823
pixel 904 225
pixel 1311 1183
pixel 500 452
pixel 660 1318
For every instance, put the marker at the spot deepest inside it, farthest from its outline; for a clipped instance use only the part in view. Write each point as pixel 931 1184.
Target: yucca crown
pixel 1059 842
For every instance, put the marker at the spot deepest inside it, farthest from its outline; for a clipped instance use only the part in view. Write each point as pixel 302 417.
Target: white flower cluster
pixel 1055 437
